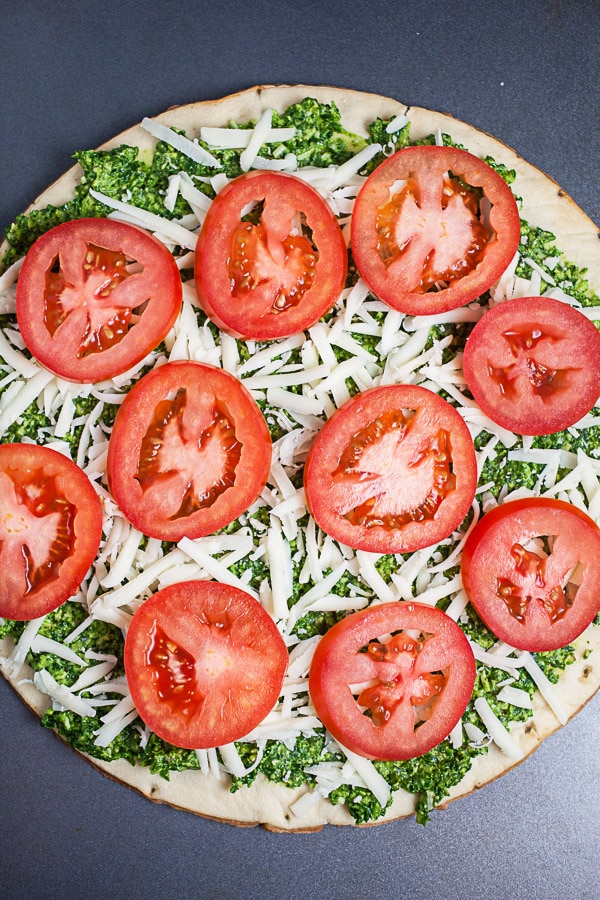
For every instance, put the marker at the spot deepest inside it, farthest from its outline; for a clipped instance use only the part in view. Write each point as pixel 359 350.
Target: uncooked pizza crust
pixel 546 205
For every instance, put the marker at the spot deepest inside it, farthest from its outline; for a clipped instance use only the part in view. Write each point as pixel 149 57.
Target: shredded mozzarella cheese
pixel 181 143
pixel 171 229
pixel 499 734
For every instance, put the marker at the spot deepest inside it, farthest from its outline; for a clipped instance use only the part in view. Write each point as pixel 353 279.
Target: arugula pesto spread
pixel 320 141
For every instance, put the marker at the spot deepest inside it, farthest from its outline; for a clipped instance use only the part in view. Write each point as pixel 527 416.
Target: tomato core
pixel 252 263
pixel 35 497
pixel 173 673
pixel 103 271
pixel 553 599
pixel 380 700
pixel 392 427
pixel 212 456
pixel 544 381
pixel 406 217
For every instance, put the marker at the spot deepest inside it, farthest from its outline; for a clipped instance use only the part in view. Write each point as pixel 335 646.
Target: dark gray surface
pixel 72 75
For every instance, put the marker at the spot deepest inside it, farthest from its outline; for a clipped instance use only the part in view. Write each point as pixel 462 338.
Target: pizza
pixel 298 419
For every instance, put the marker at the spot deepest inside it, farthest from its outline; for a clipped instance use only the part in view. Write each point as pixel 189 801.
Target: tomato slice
pixel 95 296
pixel 391 681
pixel 204 663
pixel 276 275
pixel 50 529
pixel 531 569
pixel 190 451
pixel 392 471
pixel 533 365
pixel 433 228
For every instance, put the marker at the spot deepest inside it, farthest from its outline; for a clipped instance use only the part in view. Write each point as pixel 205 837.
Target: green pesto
pixel 26 229
pixel 507 174
pixel 29 425
pixel 361 803
pixel 321 140
pixel 280 764
pixel 84 406
pixel 431 775
pixel 259 570
pixel 487 685
pixel 539 246
pixel 503 473
pixel 386 565
pixel 313 623
pixel 120 174
pixel 35 424
pixel 79 732
pixel 476 631
pixel 9 628
pixel 431 140
pixel 389 142
pixel 163 758
pixel 98 636
pixel 553 662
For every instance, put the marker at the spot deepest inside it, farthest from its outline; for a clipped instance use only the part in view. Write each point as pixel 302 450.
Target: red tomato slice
pixel 204 663
pixel 190 451
pixel 531 569
pixel 50 529
pixel 392 681
pixel 392 471
pixel 533 365
pixel 95 296
pixel 275 277
pixel 422 239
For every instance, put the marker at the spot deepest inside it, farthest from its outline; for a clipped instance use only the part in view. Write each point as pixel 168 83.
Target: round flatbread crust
pixel 547 206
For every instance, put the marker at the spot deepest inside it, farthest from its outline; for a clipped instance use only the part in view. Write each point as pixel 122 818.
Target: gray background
pixel 73 74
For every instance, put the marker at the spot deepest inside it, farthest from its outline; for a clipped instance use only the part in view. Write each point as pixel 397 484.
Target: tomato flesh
pixel 173 671
pixel 530 568
pixel 209 462
pixel 95 296
pixel 422 238
pixel 390 682
pixel 190 451
pixel 50 529
pixel 104 270
pixel 251 264
pixel 204 663
pixel 399 220
pixel 392 471
pixel 275 276
pixel 533 365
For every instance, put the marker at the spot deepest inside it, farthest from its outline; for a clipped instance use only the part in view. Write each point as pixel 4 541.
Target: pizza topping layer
pixel 303 578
